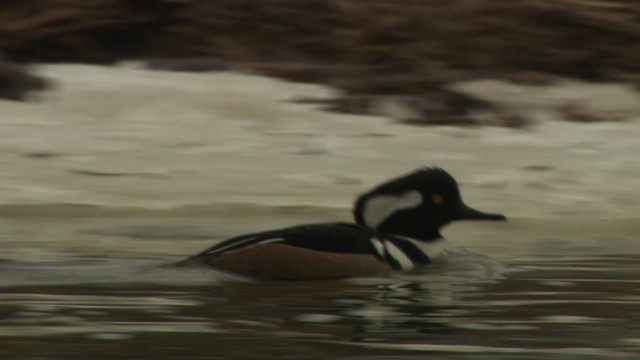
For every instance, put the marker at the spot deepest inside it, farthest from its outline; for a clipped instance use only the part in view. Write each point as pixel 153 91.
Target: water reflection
pixel 553 305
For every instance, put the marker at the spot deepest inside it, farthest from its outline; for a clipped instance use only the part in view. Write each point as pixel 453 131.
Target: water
pixel 98 288
pixel 119 172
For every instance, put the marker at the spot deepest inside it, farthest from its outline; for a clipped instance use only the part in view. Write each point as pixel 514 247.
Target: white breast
pixel 434 249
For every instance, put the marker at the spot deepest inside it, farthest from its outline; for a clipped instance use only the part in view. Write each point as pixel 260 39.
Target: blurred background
pixel 370 50
pixel 136 133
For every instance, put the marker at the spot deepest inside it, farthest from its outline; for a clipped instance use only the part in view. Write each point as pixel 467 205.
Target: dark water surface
pixel 531 289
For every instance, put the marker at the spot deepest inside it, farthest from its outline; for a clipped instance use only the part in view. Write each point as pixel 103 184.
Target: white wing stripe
pixel 240 243
pixel 399 255
pixel 269 241
pixel 378 246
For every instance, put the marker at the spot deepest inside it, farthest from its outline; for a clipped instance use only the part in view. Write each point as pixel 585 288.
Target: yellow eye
pixel 437 199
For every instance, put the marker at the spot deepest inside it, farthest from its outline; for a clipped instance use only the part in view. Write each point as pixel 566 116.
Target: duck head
pixel 416 205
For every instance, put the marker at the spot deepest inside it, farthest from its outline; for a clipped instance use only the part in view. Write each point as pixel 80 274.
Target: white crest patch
pixel 378 208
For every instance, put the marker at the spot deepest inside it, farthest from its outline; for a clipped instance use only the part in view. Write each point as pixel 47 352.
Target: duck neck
pixel 421 233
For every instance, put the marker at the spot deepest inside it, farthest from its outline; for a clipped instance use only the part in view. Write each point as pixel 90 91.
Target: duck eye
pixel 437 199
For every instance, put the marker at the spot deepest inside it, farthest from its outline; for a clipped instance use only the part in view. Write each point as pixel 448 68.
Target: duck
pixel 396 228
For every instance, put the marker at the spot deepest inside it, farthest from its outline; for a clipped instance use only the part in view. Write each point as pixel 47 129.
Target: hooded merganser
pixel 397 226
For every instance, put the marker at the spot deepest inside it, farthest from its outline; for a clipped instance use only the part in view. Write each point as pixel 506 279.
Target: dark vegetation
pixel 373 50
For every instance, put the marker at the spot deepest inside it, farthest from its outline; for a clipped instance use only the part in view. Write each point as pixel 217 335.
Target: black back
pixel 332 237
